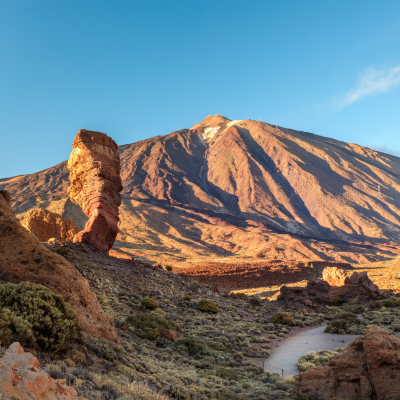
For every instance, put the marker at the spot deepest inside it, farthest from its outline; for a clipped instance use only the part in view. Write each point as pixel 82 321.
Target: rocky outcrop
pixel 356 288
pixel 367 369
pixel 315 295
pixel 47 225
pixel 94 168
pixel 24 258
pixel 22 378
pixel 334 276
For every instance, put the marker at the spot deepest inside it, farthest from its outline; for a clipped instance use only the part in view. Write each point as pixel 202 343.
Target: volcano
pixel 241 190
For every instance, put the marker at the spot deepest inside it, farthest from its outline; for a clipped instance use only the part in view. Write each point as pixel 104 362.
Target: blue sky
pixel 136 69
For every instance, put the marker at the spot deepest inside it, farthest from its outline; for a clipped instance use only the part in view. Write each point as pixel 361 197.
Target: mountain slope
pixel 242 189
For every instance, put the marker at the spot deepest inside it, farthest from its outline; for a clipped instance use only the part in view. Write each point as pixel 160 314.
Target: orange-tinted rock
pixel 24 258
pixel 21 377
pixel 169 334
pixel 46 225
pixel 94 168
pixel 357 287
pixel 367 369
pixel 334 276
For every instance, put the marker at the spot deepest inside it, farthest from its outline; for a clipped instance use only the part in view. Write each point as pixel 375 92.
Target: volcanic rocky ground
pixel 241 192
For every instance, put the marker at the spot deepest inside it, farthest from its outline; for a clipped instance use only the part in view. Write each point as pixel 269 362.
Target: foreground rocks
pixel 47 225
pixel 22 378
pixel 367 369
pixel 94 168
pixel 24 258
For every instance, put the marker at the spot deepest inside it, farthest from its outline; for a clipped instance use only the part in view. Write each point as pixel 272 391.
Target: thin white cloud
pixel 372 81
pixel 386 149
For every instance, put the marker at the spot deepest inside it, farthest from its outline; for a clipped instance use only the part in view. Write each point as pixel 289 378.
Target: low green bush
pixel 15 329
pixel 227 373
pixel 53 322
pixel 207 306
pixel 187 298
pixel 192 345
pixel 169 267
pixel 348 316
pixel 149 303
pixel 337 326
pixel 148 324
pixel 391 303
pixel 282 318
pixel 396 325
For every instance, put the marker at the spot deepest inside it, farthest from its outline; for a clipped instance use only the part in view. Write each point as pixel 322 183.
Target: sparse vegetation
pixel 207 306
pixel 282 318
pixel 149 303
pixel 314 358
pixel 36 310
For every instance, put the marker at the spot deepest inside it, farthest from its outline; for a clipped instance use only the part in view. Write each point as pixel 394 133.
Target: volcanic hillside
pixel 242 190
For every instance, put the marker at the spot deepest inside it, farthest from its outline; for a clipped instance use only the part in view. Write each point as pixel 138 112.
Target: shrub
pixel 54 323
pixel 348 316
pixel 396 325
pixel 192 345
pixel 15 329
pixel 63 251
pixel 337 326
pixel 354 308
pixel 391 303
pixel 241 296
pixel 336 300
pixel 207 306
pixel 149 303
pixel 169 267
pixel 227 373
pixel 282 318
pixel 313 358
pixel 187 298
pixel 148 324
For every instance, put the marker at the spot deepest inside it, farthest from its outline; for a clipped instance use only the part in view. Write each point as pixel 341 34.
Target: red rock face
pixel 46 225
pixel 367 369
pixel 24 258
pixel 22 378
pixel 94 168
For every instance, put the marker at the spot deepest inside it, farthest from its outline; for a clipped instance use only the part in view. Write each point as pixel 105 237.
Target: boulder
pixel 47 225
pixel 367 369
pixel 94 168
pixel 315 295
pixel 216 289
pixel 358 288
pixel 169 334
pixel 22 378
pixel 24 258
pixel 255 301
pixel 334 276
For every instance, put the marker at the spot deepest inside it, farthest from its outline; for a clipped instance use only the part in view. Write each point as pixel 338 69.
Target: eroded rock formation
pixel 367 369
pixel 334 276
pixel 24 258
pixel 314 295
pixel 94 168
pixel 22 378
pixel 46 225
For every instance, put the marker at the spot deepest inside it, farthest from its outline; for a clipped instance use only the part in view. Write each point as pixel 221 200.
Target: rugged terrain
pixel 241 191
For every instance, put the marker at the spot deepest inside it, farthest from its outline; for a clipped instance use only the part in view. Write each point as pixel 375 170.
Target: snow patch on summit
pixel 209 133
